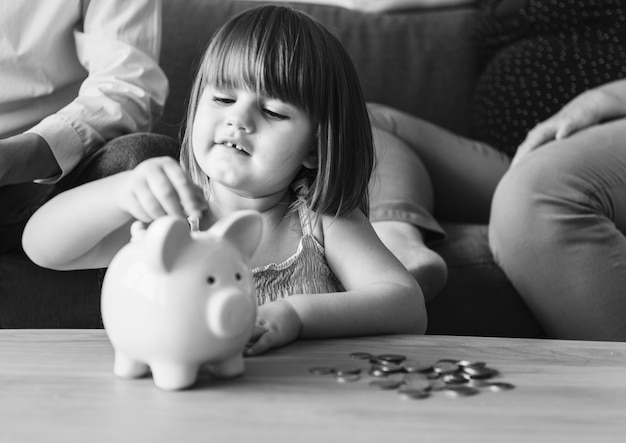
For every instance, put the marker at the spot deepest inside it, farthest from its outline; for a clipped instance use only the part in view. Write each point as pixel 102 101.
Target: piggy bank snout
pixel 230 313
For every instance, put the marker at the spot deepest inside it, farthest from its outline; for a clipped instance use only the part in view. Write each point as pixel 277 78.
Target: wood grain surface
pixel 58 386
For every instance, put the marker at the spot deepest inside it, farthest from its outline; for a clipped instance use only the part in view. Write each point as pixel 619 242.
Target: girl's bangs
pixel 269 65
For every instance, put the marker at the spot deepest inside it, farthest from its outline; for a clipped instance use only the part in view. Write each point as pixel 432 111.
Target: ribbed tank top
pixel 305 272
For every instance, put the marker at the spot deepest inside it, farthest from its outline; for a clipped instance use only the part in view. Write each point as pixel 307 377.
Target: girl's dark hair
pixel 285 54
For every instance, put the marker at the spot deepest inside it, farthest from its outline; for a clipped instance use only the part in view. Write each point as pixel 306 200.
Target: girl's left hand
pixel 277 324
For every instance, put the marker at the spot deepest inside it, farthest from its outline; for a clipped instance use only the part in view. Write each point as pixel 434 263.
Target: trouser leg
pixel 120 154
pixel 557 230
pixel 444 173
pixel 400 188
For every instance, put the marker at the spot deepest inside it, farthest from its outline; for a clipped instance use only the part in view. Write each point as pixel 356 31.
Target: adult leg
pixel 422 168
pixel 401 203
pixel 120 154
pixel 464 173
pixel 557 229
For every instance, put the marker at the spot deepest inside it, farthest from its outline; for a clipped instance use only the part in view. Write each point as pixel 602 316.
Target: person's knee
pixel 124 153
pixel 520 207
pixel 129 150
pixel 383 117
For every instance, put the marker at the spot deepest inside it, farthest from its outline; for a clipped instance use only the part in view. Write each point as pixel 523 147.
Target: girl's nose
pixel 241 120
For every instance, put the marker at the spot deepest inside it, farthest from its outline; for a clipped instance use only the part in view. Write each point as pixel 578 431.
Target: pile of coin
pixel 415 380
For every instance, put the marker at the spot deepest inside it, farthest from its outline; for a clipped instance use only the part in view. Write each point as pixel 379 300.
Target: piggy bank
pixel 174 301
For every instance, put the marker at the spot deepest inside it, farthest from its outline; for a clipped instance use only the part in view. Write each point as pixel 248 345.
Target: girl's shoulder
pixel 319 224
pixel 336 225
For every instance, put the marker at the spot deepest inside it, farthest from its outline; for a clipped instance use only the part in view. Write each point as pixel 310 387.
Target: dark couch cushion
pixel 478 299
pixel 421 61
pixel 35 297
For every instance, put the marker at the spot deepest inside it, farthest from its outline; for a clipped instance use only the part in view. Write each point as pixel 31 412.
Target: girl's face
pixel 251 143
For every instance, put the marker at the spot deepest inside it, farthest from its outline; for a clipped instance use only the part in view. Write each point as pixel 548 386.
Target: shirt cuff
pixel 64 142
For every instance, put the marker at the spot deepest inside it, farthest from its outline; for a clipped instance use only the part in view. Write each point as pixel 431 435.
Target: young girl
pixel 276 123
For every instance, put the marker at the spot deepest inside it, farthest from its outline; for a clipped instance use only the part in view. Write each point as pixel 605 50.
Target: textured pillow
pixel 539 55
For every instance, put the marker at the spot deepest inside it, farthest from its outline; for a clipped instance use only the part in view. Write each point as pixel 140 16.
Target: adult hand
pixel 277 324
pixel 158 187
pixel 587 109
pixel 24 158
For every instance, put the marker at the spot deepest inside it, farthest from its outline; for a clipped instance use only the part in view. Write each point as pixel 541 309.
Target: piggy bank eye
pixel 237 276
pixel 210 279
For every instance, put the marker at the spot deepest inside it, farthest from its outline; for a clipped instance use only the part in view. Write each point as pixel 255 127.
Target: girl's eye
pixel 274 115
pixel 223 100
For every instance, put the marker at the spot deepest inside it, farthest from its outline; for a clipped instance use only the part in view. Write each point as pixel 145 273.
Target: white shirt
pixel 79 73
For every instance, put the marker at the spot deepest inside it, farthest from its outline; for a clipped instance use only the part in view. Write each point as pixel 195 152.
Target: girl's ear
pixel 310 162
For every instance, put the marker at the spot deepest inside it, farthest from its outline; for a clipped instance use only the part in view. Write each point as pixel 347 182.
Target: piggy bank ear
pixel 165 238
pixel 242 228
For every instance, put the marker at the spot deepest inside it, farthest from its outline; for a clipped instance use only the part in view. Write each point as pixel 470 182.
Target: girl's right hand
pixel 158 187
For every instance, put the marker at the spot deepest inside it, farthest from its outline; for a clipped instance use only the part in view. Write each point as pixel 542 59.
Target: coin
pixel 416 366
pixel 464 363
pixel 417 382
pixel 387 384
pixel 437 385
pixel 448 360
pixel 480 371
pixel 500 386
pixel 388 368
pixel 348 378
pixel 460 391
pixel 377 372
pixel 432 375
pixel 393 358
pixel 321 370
pixel 454 378
pixel 347 370
pixel 477 383
pixel 445 367
pixel 361 356
pixel 413 393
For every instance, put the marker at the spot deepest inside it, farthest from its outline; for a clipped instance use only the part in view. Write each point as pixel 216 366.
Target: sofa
pixel 421 60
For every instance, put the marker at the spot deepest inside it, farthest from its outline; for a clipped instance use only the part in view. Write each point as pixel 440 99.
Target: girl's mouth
pixel 235 146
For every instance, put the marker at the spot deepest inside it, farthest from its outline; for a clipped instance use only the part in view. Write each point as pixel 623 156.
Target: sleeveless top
pixel 537 56
pixel 305 272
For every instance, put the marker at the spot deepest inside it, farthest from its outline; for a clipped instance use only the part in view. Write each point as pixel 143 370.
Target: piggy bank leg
pixel 173 376
pixel 125 367
pixel 231 367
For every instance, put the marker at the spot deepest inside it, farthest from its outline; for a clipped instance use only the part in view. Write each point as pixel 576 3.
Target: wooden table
pixel 58 386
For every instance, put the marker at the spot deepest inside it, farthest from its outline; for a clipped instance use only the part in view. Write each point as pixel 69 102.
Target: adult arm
pixel 125 89
pixel 594 106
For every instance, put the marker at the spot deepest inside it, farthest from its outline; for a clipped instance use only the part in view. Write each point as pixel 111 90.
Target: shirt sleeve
pixel 125 89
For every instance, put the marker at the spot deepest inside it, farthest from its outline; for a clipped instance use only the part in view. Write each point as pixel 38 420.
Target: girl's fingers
pixel 257 332
pixel 160 187
pixel 165 193
pixel 190 197
pixel 261 345
pixel 138 212
pixel 146 203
